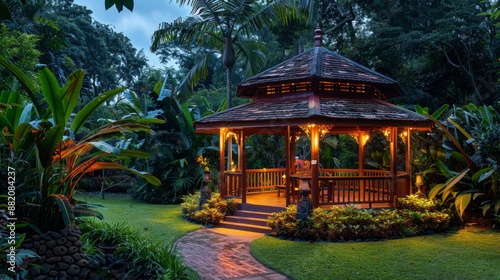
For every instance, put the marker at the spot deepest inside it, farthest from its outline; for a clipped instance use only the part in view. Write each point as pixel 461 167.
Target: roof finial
pixel 318 38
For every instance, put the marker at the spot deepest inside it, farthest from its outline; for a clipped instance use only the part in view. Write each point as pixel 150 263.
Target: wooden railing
pixel 336 186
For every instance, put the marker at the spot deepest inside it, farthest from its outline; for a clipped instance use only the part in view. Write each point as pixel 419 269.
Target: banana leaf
pixel 82 116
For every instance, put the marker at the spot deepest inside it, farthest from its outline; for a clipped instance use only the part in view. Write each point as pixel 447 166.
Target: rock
pixel 62 275
pixel 40 277
pixel 42 249
pixel 45 268
pixel 61 241
pixel 72 238
pixel 82 263
pixel 83 274
pixel 45 236
pixel 73 270
pixel 49 254
pixel 36 244
pixel 61 266
pixel 53 273
pixel 76 256
pixel 35 271
pixel 36 237
pixel 60 251
pixel 51 244
pixel 53 260
pixel 72 250
pixel 28 245
pixel 68 259
pixel 55 235
pixel 78 243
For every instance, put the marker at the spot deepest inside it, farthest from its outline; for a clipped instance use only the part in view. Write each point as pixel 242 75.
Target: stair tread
pixel 222 223
pixel 251 213
pixel 246 218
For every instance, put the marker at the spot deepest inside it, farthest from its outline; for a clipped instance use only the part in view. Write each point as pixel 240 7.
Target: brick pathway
pixel 223 254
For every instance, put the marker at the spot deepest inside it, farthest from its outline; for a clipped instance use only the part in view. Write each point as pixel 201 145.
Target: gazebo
pixel 314 94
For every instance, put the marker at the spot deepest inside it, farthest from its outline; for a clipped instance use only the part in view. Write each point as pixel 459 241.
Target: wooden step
pixel 250 217
pixel 251 214
pixel 245 227
pixel 247 220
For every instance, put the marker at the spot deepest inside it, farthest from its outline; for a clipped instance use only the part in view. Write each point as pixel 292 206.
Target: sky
pixel 139 24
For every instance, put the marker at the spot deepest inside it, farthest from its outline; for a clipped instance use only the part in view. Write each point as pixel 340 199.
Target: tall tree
pixel 225 26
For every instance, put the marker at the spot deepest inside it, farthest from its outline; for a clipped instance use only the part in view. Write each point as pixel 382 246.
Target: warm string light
pixel 322 128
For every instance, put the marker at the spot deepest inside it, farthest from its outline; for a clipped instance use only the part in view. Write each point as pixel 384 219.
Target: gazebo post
pixel 394 163
pixel 242 164
pixel 315 165
pixel 408 159
pixel 222 141
pixel 288 165
pixel 361 161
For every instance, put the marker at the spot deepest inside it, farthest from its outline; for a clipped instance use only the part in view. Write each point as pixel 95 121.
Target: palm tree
pixel 228 26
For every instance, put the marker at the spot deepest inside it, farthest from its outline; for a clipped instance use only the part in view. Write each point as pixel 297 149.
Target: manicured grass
pixel 161 223
pixel 469 253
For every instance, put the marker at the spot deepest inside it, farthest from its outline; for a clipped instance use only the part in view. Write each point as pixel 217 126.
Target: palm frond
pixel 253 55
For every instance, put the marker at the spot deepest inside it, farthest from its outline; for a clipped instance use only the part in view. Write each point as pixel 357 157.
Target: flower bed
pixel 413 216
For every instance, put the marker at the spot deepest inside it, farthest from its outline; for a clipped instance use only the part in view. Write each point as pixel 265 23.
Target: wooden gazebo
pixel 316 93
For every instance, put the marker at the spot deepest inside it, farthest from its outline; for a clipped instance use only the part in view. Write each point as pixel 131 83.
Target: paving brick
pixel 223 254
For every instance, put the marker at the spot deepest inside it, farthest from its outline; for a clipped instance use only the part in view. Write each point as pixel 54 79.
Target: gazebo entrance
pixel 316 94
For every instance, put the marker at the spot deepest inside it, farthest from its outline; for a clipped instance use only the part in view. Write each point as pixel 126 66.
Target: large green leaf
pixel 4 122
pixel 70 92
pixel 470 162
pixel 482 174
pixel 82 116
pixel 87 210
pixel 47 145
pixel 53 96
pixel 461 202
pixel 16 108
pixel 105 147
pixel 31 89
pixel 450 183
pixel 66 209
pixel 113 165
pixel 440 111
pixel 24 140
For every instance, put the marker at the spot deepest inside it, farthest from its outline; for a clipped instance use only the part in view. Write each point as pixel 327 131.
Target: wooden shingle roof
pixel 308 108
pixel 319 65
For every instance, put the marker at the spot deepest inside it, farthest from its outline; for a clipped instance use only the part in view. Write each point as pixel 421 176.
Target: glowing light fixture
pixel 323 129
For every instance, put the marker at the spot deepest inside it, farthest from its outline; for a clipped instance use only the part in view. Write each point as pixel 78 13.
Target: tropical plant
pixel 211 212
pixel 137 256
pixel 47 146
pixel 470 176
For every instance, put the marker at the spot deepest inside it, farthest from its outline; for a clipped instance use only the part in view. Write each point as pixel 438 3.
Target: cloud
pixel 140 24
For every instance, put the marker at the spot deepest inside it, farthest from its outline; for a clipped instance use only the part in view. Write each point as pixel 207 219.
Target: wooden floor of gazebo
pixel 270 198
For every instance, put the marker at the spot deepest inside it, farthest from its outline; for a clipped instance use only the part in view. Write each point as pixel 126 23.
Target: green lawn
pixel 470 253
pixel 160 223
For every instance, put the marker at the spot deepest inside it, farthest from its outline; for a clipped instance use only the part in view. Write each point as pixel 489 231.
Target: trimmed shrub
pixel 413 217
pixel 211 213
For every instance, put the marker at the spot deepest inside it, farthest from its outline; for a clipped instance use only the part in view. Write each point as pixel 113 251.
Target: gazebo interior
pixel 313 96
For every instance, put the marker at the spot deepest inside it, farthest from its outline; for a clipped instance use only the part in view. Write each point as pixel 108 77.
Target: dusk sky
pixel 140 24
